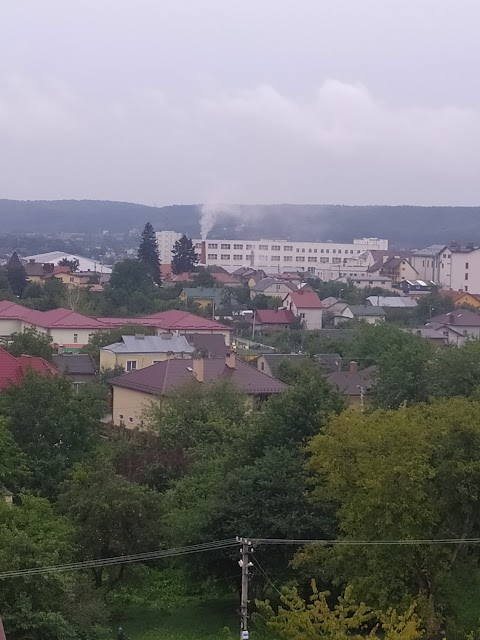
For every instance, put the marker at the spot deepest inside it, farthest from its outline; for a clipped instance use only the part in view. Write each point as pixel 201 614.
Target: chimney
pixel 203 253
pixel 451 318
pixel 230 360
pixel 198 367
pixel 353 366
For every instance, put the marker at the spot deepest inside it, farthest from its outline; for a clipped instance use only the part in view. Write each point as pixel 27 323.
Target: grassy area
pixel 205 621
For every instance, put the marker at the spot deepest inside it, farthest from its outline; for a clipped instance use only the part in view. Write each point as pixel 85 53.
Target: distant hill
pixel 404 226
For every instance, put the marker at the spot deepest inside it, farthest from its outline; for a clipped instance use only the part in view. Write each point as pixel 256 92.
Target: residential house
pixel 186 278
pixel 72 330
pixel 84 264
pixel 140 351
pixel 225 279
pixel 80 279
pixel 435 336
pixel 354 383
pixel 416 287
pixel 14 369
pixel 396 268
pixel 35 271
pixel 134 391
pixel 203 296
pixel 341 312
pixel 464 298
pixel 392 302
pixel 306 305
pixel 79 367
pixel 5 496
pixel 457 325
pixel 273 319
pixel 434 263
pixel 271 287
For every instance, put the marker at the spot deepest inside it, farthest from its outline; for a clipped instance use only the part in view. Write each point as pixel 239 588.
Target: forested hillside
pixel 404 226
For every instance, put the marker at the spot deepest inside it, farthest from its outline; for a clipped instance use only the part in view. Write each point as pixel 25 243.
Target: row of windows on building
pixel 273 247
pixel 263 258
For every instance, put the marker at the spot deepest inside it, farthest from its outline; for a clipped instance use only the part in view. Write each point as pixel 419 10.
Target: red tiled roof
pixel 172 320
pixel 171 375
pixel 225 278
pixel 58 269
pixel 275 316
pixel 57 318
pixel 305 299
pixel 13 370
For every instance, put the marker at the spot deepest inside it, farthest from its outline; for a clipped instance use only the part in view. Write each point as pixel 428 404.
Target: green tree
pixel 408 474
pixel 298 619
pixel 52 424
pixel 455 371
pixel 112 516
pixel 184 257
pixel 72 264
pixel 14 472
pixel 33 290
pixel 131 289
pixel 17 278
pixel 54 606
pixel 203 278
pixel 31 343
pixel 260 301
pixel 148 253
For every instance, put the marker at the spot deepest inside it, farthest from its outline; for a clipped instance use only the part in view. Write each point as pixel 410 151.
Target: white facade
pixel 325 259
pixel 166 241
pixel 434 264
pixel 465 271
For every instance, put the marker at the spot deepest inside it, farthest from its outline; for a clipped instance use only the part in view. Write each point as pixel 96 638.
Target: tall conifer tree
pixel 148 252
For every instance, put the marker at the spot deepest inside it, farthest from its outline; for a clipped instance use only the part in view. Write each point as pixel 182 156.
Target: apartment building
pixel 325 259
pixel 166 241
pixel 465 274
pixel 434 264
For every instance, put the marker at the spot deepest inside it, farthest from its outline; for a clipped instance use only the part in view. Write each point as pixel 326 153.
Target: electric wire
pixel 128 559
pixel 353 543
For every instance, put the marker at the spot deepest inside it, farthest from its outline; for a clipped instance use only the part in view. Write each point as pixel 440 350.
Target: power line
pixel 128 559
pixel 353 543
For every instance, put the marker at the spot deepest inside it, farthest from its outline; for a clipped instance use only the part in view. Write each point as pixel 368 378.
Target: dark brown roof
pixel 351 382
pixel 213 344
pixel 458 318
pixel 166 377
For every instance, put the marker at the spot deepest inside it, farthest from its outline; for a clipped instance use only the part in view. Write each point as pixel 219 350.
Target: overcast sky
pixel 253 101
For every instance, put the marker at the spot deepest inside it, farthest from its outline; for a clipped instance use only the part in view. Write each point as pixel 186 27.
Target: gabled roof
pixel 74 363
pixel 458 318
pixel 211 343
pixel 172 320
pixel 275 316
pixel 57 318
pixel 225 278
pixel 13 370
pixel 266 283
pixel 432 250
pixel 366 310
pixel 305 299
pixel 165 343
pixel 169 376
pixel 351 383
pixel 400 302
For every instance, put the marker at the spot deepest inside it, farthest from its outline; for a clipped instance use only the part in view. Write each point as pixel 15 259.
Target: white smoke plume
pixel 210 213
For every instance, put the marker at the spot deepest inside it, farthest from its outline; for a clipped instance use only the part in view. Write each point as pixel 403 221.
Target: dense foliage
pixel 184 257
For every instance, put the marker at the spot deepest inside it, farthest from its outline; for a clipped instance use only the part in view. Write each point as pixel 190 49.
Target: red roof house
pixel 274 318
pixel 306 305
pixel 13 370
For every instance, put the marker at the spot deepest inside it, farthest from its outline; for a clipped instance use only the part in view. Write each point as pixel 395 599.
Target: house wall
pixel 436 268
pixel 9 326
pixel 108 359
pixel 279 290
pixel 467 299
pixel 384 283
pixel 313 318
pixel 262 365
pixel 466 271
pixel 131 405
pixel 67 336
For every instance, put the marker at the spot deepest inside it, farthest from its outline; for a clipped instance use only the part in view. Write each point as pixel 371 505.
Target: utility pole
pixel 244 564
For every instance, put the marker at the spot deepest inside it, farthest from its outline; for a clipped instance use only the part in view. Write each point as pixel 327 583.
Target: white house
pixel 54 257
pixel 305 304
pixel 271 287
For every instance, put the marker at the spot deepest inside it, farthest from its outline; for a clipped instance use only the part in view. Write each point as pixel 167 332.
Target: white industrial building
pixel 326 259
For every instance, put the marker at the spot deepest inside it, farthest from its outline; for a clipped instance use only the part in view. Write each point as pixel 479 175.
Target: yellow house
pixel 140 351
pixel 134 391
pixel 470 299
pixel 203 296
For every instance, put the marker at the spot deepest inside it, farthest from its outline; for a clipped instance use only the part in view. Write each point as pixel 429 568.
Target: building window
pixel 466 288
pixel 224 256
pixel 263 258
pixel 263 247
pixel 321 250
pixel 275 258
pixel 278 287
pixel 75 338
pixel 120 415
pixel 238 246
pixel 72 279
pixel 212 256
pixel 275 247
pixel 303 250
pixel 324 260
pixel 444 255
pixel 262 366
pixel 466 276
pixel 198 245
pixel 466 265
pixel 131 365
pixel 238 257
pixel 302 316
pixel 288 247
pixel 327 250
pixel 212 245
pixel 312 258
pixel 351 250
pixel 249 246
pixel 334 251
pixel 298 250
pixel 315 251
pixel 309 251
pixel 300 259
pixel 336 260
pixel 311 269
pixel 288 258
pixel 156 361
pixel 225 246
